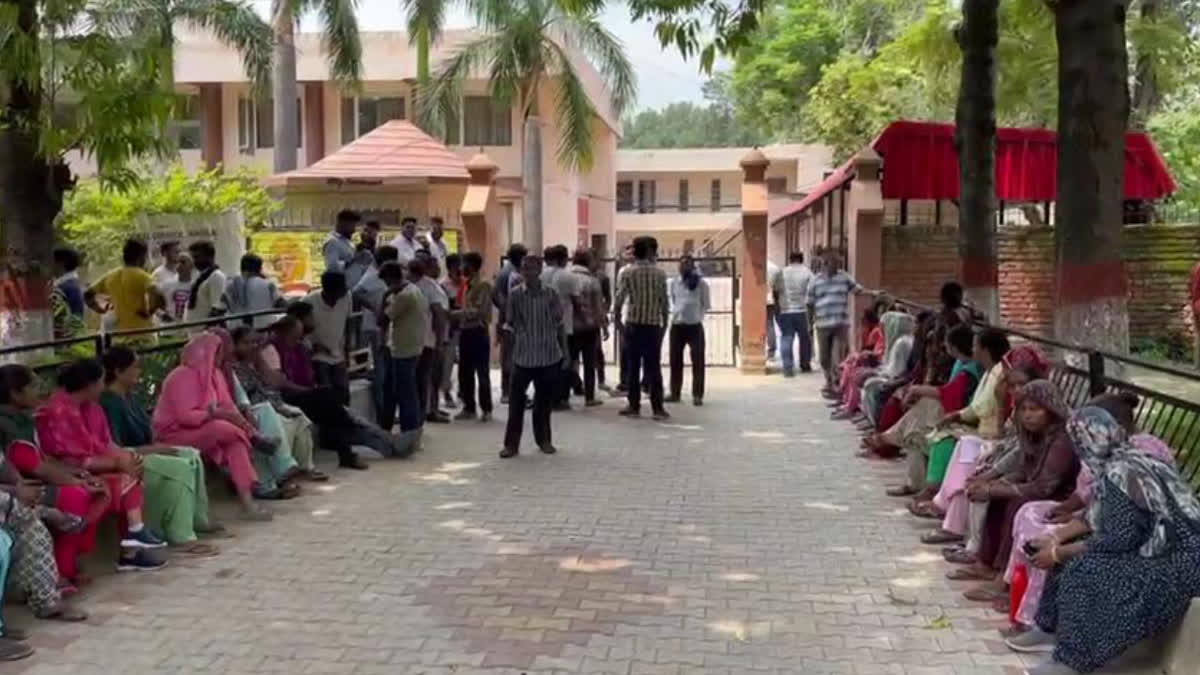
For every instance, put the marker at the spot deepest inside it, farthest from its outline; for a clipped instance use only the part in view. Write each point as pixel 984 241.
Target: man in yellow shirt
pixel 130 290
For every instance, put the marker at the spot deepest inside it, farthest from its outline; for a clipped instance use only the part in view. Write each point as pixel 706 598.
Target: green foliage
pixel 96 220
pixel 688 125
pixel 1176 131
pixel 523 47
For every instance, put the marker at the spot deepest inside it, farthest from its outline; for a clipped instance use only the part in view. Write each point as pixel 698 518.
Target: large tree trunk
pixel 422 39
pixel 975 137
pixel 1146 97
pixel 1093 112
pixel 285 90
pixel 31 196
pixel 531 171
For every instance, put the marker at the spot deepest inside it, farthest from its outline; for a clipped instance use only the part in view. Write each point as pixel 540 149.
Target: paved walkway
pixel 740 537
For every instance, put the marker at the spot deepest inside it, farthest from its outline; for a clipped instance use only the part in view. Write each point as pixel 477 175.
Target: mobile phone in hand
pixel 1029 549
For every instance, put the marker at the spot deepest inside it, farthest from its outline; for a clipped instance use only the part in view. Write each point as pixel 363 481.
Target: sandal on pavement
pixel 923 510
pixel 984 594
pixel 14 650
pixel 901 491
pixel 940 536
pixel 968 574
pixel 63 612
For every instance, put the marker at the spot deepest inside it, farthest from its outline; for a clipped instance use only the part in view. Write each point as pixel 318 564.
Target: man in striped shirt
pixel 644 286
pixel 829 299
pixel 534 318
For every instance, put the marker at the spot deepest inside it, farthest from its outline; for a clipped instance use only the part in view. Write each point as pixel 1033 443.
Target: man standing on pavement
pixel 404 308
pixel 534 316
pixel 474 346
pixel 556 276
pixel 624 353
pixel 132 295
pixel 606 291
pixel 429 370
pixel 452 285
pixel 773 273
pixel 339 251
pixel 508 278
pixel 644 287
pixel 330 311
pixel 690 301
pixel 589 316
pixel 406 243
pixel 368 294
pixel 790 291
pixel 829 299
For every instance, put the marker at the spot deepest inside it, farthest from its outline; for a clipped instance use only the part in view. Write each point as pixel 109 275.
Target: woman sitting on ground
pixel 1129 569
pixel 75 499
pixel 979 421
pixel 176 493
pixel 1038 519
pixel 973 458
pixel 295 430
pixel 877 348
pixel 195 408
pixel 73 429
pixel 927 405
pixel 1047 470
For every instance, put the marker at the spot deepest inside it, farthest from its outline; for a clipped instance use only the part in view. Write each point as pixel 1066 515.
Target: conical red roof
pixel 396 151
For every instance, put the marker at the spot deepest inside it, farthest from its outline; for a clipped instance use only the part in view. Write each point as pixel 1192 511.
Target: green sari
pixel 941 447
pixel 176 502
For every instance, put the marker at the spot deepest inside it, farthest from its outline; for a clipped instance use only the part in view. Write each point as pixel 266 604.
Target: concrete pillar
pixel 314 122
pixel 212 148
pixel 481 213
pixel 754 263
pixel 864 231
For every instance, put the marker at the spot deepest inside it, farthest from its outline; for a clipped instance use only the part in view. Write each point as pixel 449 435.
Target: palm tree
pixel 341 43
pixel 425 21
pixel 525 45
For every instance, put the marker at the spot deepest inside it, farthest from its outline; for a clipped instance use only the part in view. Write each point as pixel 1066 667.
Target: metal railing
pixel 1082 372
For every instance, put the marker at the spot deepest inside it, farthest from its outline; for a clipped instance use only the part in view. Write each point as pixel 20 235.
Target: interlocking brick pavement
pixel 741 537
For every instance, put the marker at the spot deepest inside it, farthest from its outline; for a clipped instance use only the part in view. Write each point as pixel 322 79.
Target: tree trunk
pixel 531 170
pixel 1093 112
pixel 1146 97
pixel 975 138
pixel 285 91
pixel 422 38
pixel 31 196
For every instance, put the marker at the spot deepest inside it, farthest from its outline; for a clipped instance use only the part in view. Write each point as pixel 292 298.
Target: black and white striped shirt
pixel 644 286
pixel 535 317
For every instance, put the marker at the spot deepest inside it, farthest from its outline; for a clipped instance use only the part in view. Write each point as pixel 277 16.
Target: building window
pixel 185 127
pixel 683 195
pixel 361 115
pixel 624 195
pixel 714 196
pixel 256 124
pixel 646 196
pixel 776 186
pixel 486 122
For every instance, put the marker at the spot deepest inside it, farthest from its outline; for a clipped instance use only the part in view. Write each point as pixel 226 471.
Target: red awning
pixel 920 163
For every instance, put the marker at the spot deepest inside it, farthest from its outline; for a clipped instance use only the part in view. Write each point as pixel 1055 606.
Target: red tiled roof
pixel 394 151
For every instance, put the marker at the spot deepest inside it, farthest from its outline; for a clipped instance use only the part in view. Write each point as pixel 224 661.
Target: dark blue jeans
pixel 405 394
pixel 791 326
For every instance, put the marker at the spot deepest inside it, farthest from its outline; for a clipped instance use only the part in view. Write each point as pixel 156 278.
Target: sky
pixel 663 76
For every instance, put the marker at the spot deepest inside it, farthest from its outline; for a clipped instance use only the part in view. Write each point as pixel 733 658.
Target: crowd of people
pixel 1072 522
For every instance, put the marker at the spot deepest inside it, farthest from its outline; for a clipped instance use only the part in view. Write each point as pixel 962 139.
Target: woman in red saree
pixel 72 491
pixel 73 429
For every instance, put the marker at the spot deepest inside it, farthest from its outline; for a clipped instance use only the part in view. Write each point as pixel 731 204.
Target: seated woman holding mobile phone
pixel 1126 571
pixel 1038 519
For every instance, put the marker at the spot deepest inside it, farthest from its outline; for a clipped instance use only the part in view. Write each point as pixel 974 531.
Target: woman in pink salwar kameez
pixel 195 408
pixel 1040 518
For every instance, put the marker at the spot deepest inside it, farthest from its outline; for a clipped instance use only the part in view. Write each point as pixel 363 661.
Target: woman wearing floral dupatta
pixel 1129 569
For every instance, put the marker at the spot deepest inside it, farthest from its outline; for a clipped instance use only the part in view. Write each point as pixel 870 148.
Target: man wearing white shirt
pixel 437 247
pixel 330 311
pixel 168 272
pixel 406 243
pixel 208 290
pixel 790 292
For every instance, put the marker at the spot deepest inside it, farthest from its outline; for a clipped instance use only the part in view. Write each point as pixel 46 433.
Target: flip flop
pixel 967 574
pixel 901 491
pixel 959 556
pixel 63 612
pixel 940 536
pixel 923 510
pixel 983 594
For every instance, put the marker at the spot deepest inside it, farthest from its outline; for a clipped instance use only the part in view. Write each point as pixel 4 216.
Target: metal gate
pixel 720 324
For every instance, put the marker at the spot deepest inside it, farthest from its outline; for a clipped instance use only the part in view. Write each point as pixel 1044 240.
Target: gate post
pixel 864 259
pixel 754 263
pixel 480 213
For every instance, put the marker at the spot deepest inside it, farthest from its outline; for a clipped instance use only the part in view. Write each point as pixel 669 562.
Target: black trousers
pixel 335 426
pixel 645 362
pixel 691 335
pixel 600 361
pixel 429 380
pixel 583 350
pixel 545 381
pixel 335 376
pixel 474 354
